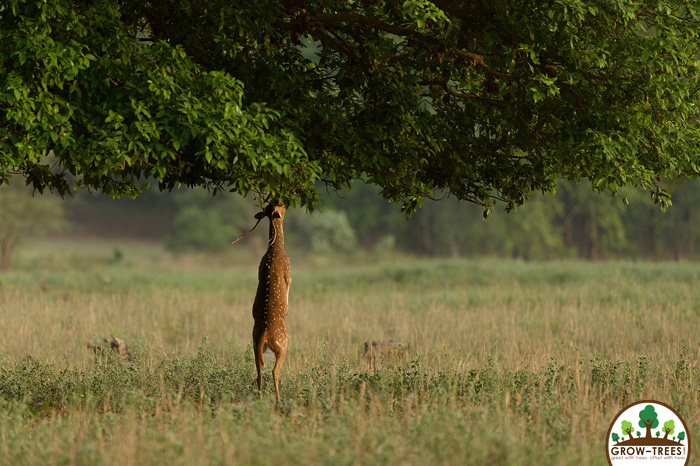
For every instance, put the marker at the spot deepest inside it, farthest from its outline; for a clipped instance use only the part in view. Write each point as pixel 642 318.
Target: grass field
pixel 510 362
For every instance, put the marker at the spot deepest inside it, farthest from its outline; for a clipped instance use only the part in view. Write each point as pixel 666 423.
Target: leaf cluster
pixel 114 106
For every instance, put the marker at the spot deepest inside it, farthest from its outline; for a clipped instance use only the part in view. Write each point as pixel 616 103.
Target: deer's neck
pixel 276 236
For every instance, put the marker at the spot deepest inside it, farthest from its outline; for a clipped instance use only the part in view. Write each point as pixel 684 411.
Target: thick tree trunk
pixel 594 254
pixel 5 254
pixel 426 235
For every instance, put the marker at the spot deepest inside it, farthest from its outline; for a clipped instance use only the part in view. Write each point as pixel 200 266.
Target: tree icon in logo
pixel 648 419
pixel 669 426
pixel 627 428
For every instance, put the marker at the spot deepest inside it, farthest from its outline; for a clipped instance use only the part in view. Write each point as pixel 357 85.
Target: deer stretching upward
pixel 270 305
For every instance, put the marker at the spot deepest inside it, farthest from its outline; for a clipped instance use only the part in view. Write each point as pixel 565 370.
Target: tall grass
pixel 510 362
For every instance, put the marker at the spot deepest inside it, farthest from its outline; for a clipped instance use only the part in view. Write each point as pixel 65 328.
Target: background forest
pixel 576 223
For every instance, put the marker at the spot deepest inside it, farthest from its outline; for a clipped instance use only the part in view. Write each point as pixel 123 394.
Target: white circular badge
pixel 648 433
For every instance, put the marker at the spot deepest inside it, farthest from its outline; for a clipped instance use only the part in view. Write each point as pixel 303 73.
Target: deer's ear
pixel 259 215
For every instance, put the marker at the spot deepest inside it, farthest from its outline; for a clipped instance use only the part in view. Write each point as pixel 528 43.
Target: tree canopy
pixel 481 100
pixel 648 418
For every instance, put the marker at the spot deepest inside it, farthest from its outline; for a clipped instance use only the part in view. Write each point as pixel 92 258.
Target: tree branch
pixel 459 94
pixel 356 18
pixel 338 45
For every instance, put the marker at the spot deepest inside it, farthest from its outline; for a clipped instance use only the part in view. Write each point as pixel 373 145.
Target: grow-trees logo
pixel 648 433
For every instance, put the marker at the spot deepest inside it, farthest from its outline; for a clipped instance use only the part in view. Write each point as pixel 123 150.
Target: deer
pixel 272 296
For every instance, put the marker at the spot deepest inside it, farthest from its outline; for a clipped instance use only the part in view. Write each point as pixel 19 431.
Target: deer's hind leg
pixel 258 349
pixel 279 360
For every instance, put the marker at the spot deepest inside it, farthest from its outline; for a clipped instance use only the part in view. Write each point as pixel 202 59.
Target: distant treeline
pixel 575 223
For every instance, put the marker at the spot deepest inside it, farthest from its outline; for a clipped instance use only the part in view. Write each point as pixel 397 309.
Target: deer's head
pixel 273 211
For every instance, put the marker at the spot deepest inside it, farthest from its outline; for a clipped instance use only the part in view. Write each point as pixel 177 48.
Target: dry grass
pixel 509 362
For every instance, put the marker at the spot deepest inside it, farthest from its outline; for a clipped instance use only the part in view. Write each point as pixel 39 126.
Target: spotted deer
pixel 270 305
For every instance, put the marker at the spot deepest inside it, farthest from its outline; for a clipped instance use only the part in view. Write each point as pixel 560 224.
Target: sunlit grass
pixel 509 361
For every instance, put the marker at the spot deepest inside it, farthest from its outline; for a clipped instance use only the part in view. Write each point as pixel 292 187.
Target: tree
pixel 639 434
pixel 627 429
pixel 658 433
pixel 207 223
pixel 328 234
pixel 668 428
pixel 593 224
pixel 23 214
pixel 482 100
pixel 681 436
pixel 615 437
pixel 648 419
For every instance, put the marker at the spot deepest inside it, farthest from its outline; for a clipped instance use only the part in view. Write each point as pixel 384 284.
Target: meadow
pixel 510 363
